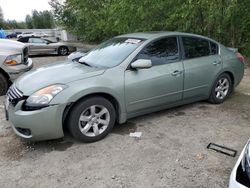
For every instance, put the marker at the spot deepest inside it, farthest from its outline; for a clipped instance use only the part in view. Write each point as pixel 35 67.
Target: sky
pixel 18 9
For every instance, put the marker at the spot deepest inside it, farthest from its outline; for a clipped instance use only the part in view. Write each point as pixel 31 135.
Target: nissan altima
pixel 124 77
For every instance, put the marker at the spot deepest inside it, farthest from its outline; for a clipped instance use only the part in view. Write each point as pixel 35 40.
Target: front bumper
pixel 43 124
pixel 15 71
pixel 233 183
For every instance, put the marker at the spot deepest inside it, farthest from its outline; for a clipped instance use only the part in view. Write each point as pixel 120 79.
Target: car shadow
pixel 130 126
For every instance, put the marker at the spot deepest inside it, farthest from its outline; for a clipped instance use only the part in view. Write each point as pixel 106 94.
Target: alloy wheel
pixel 94 120
pixel 222 88
pixel 63 51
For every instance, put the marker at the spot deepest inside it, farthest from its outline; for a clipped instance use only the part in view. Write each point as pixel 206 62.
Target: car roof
pixel 157 34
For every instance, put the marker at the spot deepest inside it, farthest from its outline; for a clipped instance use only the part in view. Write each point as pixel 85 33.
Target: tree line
pixel 227 21
pixel 37 20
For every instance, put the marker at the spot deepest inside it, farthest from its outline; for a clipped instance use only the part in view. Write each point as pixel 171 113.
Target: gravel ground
pixel 170 153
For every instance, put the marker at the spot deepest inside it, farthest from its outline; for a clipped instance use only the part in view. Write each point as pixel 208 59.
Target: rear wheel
pixel 222 88
pixel 91 119
pixel 63 50
pixel 3 85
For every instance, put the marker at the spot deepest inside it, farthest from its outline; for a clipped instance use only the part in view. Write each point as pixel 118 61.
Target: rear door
pixel 159 85
pixel 202 64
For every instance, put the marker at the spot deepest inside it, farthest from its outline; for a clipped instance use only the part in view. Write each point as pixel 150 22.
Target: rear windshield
pixel 112 52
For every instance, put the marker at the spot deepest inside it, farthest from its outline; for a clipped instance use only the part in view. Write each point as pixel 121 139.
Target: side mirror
pixel 141 64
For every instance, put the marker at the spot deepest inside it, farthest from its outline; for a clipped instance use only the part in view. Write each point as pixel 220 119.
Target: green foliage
pixel 227 21
pixel 1 18
pixel 29 22
pixel 10 24
pixel 40 20
pixel 13 24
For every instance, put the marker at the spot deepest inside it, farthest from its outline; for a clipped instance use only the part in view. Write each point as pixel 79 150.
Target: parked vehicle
pixel 2 34
pixel 26 34
pixel 40 34
pixel 13 62
pixel 122 78
pixel 13 35
pixel 39 45
pixel 240 176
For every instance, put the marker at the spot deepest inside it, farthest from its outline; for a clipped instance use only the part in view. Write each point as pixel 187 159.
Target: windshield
pixel 112 52
pixel 50 41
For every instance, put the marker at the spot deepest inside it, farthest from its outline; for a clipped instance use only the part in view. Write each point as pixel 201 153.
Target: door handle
pixel 216 62
pixel 176 72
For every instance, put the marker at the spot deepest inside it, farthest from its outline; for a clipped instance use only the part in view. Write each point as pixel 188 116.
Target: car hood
pixel 56 73
pixel 10 47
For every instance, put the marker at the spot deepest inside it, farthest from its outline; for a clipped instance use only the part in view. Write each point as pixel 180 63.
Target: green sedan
pixel 124 77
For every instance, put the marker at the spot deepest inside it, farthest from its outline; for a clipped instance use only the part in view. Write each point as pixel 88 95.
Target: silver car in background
pixel 39 46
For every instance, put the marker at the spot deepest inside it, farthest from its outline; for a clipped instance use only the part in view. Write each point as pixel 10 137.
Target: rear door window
pixel 161 52
pixel 195 47
pixel 214 48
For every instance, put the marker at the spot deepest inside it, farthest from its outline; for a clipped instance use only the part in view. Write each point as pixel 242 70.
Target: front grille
pixel 14 95
pixel 25 55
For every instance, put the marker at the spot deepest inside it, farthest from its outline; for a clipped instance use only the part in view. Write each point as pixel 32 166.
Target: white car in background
pixel 40 34
pixel 32 34
pixel 26 34
pixel 240 176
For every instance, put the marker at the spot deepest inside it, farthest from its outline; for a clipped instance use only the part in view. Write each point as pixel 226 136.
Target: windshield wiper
pixel 84 63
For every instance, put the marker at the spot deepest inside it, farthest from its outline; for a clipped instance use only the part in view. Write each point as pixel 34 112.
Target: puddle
pixel 124 129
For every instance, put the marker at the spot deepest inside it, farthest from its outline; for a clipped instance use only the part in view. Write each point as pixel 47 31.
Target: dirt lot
pixel 171 152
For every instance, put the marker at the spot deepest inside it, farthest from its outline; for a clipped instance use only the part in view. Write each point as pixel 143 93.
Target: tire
pixel 221 89
pixel 3 85
pixel 63 50
pixel 91 119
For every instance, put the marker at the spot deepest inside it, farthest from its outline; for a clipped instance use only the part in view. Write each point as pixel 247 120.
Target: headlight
pixel 245 163
pixel 13 59
pixel 43 97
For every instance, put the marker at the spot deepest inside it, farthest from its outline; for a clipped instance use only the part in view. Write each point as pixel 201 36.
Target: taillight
pixel 240 57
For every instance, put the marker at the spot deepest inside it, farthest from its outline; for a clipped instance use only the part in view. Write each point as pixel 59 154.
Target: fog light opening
pixel 25 132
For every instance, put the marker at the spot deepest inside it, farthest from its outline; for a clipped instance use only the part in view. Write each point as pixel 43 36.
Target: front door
pixel 159 85
pixel 39 46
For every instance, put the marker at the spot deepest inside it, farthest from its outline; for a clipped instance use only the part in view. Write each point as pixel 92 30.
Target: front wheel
pixel 63 50
pixel 222 88
pixel 91 119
